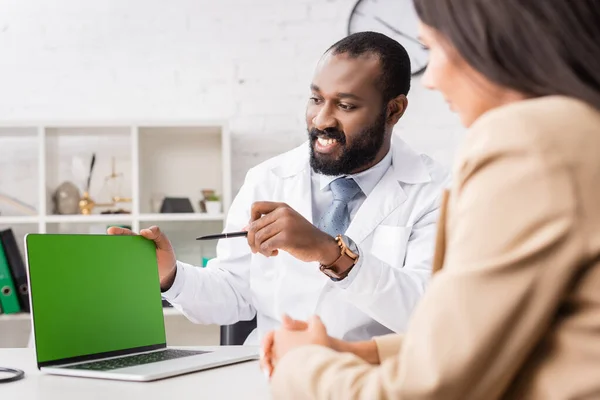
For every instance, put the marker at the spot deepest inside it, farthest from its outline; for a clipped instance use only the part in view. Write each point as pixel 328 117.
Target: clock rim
pixel 348 33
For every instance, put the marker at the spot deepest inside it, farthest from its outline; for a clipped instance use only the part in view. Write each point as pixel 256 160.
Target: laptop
pixel 97 311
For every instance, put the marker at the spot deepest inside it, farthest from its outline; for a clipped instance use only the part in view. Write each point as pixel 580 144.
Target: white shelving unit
pixel 155 158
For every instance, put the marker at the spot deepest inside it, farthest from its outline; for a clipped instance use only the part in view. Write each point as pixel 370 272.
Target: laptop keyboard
pixel 139 359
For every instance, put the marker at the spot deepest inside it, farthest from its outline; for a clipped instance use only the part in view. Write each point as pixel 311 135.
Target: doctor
pixel 342 226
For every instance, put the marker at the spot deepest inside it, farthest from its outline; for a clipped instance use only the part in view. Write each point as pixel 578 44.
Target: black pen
pixel 223 236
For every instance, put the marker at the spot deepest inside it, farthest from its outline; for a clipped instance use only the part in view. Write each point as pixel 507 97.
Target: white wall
pixel 246 61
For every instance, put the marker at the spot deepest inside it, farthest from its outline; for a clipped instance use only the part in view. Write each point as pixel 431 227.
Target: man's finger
pixel 117 230
pixel 155 234
pixel 271 246
pixel 254 229
pixel 293 324
pixel 265 233
pixel 261 208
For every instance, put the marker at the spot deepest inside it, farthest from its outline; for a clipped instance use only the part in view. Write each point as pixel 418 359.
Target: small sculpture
pixel 66 199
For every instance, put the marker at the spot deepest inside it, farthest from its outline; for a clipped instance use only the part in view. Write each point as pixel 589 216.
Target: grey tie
pixel 336 218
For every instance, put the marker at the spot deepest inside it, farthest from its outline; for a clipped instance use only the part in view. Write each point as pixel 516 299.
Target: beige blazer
pixel 515 311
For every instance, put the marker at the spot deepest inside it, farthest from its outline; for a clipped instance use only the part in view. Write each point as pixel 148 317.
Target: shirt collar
pixel 366 180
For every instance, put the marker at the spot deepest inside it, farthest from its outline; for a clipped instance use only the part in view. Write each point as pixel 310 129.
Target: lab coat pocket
pixel 389 244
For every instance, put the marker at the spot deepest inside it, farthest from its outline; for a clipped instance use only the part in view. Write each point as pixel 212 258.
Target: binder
pixel 17 267
pixel 9 302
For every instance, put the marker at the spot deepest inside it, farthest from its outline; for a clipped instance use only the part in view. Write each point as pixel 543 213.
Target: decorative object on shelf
pixel 205 193
pixel 176 205
pixel 18 204
pixel 114 183
pixel 210 196
pixel 212 204
pixel 116 211
pixel 87 204
pixel 66 199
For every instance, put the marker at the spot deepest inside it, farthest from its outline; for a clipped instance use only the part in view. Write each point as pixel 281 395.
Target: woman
pixel 515 310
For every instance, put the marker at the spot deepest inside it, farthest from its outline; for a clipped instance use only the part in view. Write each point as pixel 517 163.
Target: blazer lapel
pixel 385 198
pixel 440 241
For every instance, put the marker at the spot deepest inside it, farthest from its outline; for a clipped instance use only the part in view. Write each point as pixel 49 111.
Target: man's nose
pixel 325 119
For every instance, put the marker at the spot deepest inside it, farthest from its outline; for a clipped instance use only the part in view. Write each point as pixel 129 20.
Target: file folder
pixel 9 303
pixel 17 267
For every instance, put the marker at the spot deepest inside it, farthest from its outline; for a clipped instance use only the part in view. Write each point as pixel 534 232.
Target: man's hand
pixel 275 226
pixel 165 255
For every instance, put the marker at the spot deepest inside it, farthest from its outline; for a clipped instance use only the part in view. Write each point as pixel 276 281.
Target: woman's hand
pixel 292 334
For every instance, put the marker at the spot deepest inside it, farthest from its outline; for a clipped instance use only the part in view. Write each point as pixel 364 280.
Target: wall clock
pixel 394 18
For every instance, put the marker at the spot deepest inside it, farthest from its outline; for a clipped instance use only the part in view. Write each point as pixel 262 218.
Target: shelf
pixel 169 156
pixel 19 220
pixel 19 195
pixel 181 217
pixel 75 123
pixel 88 218
pixel 15 317
pixel 153 159
pixel 107 218
pixel 21 316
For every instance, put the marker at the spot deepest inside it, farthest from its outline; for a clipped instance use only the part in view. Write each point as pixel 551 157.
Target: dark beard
pixel 353 157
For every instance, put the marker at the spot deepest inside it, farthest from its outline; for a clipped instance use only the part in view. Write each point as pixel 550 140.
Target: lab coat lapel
pixel 294 182
pixel 298 193
pixel 383 200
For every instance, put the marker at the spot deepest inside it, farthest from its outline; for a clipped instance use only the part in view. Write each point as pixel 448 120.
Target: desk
pixel 239 381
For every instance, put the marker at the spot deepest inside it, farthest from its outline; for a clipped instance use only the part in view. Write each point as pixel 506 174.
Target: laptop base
pixel 163 369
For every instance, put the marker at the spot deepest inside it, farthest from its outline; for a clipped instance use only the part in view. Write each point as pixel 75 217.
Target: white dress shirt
pixel 366 180
pixel 322 197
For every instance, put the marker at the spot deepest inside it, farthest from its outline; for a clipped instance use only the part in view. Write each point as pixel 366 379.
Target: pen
pixel 223 235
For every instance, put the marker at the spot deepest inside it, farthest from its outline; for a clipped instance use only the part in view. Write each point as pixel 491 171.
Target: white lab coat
pixel 395 232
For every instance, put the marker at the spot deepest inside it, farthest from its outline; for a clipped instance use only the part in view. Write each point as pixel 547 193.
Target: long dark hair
pixel 537 47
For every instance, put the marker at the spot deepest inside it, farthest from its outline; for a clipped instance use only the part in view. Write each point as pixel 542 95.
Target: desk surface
pixel 239 381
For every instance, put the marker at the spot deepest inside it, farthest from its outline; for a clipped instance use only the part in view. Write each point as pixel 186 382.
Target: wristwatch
pixel 341 267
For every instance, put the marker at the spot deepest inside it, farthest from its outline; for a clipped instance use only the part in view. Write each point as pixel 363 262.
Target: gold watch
pixel 341 267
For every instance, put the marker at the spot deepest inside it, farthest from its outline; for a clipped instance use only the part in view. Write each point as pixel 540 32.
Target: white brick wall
pixel 249 61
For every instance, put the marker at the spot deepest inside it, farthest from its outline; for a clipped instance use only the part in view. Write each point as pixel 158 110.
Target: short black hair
pixel 393 59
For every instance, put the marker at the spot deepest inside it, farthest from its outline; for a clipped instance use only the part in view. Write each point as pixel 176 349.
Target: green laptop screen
pixel 93 294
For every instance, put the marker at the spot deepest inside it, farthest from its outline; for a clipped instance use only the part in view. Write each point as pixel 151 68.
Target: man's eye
pixel 347 107
pixel 315 100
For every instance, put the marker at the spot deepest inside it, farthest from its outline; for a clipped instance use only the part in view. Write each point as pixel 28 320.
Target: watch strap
pixel 341 267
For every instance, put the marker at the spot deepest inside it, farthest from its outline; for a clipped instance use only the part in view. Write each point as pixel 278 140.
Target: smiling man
pixel 342 226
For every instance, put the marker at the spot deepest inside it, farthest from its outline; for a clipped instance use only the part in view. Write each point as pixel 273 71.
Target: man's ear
pixel 396 108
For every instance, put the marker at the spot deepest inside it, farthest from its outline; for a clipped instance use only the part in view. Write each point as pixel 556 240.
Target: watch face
pixel 396 19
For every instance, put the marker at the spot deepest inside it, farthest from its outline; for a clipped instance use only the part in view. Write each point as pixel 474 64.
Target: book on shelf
pixel 9 301
pixel 17 267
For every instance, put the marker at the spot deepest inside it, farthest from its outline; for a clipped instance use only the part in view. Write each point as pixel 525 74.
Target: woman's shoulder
pixel 540 111
pixel 539 125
